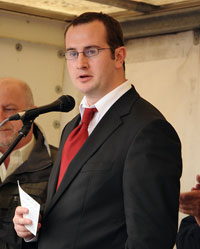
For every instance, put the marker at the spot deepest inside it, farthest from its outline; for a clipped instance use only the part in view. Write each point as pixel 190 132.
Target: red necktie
pixel 75 141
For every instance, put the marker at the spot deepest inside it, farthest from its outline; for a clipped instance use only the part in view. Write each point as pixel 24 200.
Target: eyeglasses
pixel 88 52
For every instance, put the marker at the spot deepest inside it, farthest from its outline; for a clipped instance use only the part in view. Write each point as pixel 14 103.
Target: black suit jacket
pixel 122 188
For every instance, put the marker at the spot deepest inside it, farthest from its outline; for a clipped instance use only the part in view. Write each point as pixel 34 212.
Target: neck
pixel 93 98
pixel 7 161
pixel 22 143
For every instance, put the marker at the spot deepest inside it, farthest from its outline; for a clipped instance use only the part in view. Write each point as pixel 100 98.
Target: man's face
pixel 11 101
pixel 94 76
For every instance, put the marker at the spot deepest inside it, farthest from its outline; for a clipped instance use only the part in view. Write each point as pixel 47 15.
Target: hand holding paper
pixel 33 207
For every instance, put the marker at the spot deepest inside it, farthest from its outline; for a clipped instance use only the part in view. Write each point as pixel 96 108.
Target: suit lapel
pixel 56 167
pixel 109 123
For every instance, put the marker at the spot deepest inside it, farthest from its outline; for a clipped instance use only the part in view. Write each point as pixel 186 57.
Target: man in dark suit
pixel 121 189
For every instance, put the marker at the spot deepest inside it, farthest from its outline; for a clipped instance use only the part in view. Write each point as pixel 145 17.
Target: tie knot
pixel 88 115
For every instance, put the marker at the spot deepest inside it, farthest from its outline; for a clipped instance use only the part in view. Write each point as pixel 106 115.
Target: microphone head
pixel 67 103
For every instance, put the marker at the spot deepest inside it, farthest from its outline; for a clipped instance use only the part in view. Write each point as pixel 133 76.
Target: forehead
pixel 87 34
pixel 12 94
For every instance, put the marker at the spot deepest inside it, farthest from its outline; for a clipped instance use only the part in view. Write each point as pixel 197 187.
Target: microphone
pixel 63 104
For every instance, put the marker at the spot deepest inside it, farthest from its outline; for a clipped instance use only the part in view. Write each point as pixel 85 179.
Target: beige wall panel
pixel 31 28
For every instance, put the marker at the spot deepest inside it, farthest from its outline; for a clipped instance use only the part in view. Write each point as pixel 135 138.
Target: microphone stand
pixel 22 133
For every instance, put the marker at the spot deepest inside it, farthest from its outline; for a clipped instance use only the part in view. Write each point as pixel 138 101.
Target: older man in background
pixel 30 162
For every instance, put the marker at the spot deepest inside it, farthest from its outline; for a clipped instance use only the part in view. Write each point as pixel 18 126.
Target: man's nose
pixel 82 61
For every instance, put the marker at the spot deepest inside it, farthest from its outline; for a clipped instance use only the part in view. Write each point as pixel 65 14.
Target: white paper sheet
pixel 34 209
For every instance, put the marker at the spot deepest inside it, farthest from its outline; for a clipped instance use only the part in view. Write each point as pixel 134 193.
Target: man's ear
pixel 120 55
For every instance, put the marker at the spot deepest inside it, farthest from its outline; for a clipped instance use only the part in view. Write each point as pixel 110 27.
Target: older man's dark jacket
pixel 33 176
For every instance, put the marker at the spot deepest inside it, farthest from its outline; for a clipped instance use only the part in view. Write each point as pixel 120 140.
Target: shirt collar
pixel 26 150
pixel 17 157
pixel 104 104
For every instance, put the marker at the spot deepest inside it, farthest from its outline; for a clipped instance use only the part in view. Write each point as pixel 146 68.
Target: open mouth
pixel 3 129
pixel 84 76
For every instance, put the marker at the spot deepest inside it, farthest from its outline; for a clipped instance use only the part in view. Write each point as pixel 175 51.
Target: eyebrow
pixel 91 46
pixel 10 105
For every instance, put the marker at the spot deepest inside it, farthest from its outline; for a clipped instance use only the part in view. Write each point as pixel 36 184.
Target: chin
pixel 5 144
pixel 84 90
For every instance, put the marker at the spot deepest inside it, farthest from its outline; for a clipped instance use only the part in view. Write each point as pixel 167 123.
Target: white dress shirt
pixel 104 104
pixel 17 157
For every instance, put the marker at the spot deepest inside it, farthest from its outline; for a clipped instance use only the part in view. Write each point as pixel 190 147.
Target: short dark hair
pixel 114 31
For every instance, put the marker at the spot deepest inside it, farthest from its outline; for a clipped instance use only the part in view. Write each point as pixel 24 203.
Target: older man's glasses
pixel 88 52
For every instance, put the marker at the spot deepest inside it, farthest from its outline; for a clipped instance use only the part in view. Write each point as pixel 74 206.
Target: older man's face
pixel 12 100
